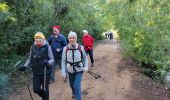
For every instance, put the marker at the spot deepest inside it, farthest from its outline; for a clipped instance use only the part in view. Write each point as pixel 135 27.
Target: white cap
pixel 85 31
pixel 72 34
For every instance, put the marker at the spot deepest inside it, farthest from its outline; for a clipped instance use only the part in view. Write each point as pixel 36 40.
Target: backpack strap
pixel 72 57
pixel 80 50
pixel 66 52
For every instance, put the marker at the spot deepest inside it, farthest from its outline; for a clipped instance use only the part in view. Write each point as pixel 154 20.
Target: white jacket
pixel 77 58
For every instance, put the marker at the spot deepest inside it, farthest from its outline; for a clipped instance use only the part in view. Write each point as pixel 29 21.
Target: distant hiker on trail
pixel 57 42
pixel 88 45
pixel 75 61
pixel 106 35
pixel 40 60
pixel 110 35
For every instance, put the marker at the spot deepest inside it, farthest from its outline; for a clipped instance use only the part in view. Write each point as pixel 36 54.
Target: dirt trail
pixel 118 82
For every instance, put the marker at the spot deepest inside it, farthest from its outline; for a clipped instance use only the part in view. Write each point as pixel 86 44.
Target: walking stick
pixel 94 74
pixel 29 91
pixel 45 69
pixel 20 64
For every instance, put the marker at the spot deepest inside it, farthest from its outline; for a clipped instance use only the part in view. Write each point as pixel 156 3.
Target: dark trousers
pixel 90 52
pixel 58 62
pixel 38 86
pixel 54 65
pixel 75 84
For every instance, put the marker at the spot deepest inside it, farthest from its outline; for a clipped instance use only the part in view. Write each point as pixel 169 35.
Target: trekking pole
pixel 94 74
pixel 20 64
pixel 96 77
pixel 45 69
pixel 29 91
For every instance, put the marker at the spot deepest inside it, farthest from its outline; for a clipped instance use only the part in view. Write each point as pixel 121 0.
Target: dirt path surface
pixel 120 81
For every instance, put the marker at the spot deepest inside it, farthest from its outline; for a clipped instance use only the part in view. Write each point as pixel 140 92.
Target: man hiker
pixel 110 35
pixel 88 45
pixel 40 60
pixel 57 42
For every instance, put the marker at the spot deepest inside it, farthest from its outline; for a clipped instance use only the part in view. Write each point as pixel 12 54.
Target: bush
pixel 20 20
pixel 4 86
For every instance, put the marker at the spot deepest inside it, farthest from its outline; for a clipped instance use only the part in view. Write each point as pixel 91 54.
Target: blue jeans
pixel 75 84
pixel 90 52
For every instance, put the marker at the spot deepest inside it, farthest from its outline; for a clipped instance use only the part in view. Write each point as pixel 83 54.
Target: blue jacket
pixel 57 43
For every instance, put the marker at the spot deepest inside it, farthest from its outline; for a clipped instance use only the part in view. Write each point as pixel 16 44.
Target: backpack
pixel 80 50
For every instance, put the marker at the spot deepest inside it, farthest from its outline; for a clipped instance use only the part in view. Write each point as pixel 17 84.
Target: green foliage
pixel 144 31
pixel 20 20
pixel 143 27
pixel 4 12
pixel 4 85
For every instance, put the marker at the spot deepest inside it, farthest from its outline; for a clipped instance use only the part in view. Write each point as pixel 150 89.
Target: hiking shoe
pixel 73 96
pixel 51 81
pixel 66 78
pixel 92 65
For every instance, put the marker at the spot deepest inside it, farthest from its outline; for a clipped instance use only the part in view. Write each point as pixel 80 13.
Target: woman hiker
pixel 40 60
pixel 75 62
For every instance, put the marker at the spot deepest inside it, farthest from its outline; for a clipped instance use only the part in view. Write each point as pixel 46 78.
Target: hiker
pixel 40 60
pixel 57 42
pixel 106 35
pixel 75 62
pixel 110 35
pixel 88 45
